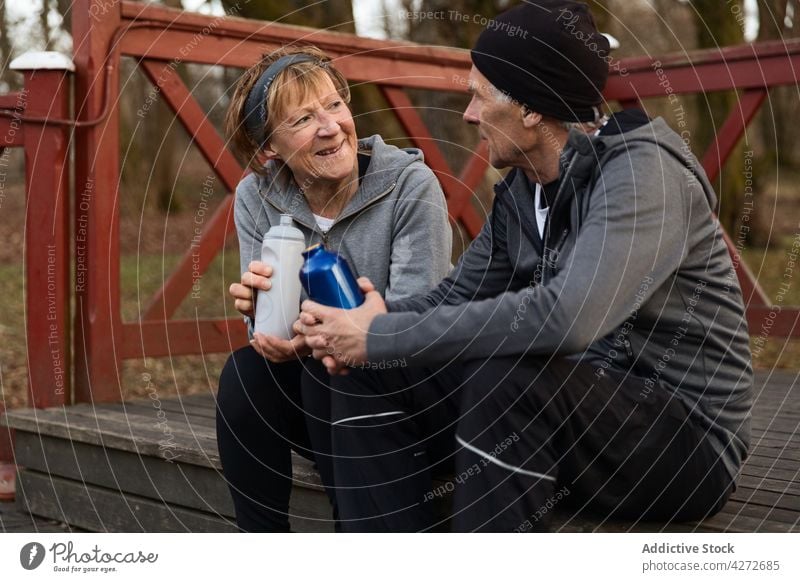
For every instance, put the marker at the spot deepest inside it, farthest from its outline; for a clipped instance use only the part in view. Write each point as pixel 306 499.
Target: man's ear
pixel 530 118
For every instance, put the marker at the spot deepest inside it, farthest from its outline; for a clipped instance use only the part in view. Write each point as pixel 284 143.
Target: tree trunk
pixel 778 116
pixel 45 27
pixel 64 8
pixel 5 49
pixel 777 157
pixel 442 112
pixel 718 24
pixel 163 128
pixel 603 14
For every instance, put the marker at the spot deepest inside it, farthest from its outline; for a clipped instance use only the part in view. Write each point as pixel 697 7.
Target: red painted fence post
pixel 47 240
pixel 97 342
pixel 46 94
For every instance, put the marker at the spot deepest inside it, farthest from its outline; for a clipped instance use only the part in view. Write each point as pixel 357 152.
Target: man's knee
pixel 509 381
pixel 359 383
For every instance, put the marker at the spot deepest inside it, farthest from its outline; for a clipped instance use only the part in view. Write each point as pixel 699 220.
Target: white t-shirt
pixel 541 213
pixel 324 224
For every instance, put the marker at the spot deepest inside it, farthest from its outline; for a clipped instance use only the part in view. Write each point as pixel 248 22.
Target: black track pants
pixel 263 411
pixel 523 435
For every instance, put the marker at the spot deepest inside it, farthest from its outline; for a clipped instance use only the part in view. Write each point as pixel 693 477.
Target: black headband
pixel 255 106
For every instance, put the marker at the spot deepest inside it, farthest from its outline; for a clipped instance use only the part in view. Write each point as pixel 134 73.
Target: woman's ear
pixel 270 154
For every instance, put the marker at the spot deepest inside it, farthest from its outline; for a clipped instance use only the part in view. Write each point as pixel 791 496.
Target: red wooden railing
pixel 157 38
pixel 48 258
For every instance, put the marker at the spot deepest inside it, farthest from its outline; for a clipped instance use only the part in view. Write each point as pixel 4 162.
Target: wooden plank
pixel 787 437
pixel 759 461
pixel 159 429
pixel 47 256
pixel 180 337
pixel 774 453
pixel 721 522
pixel 117 435
pixel 741 523
pixel 781 444
pixel 204 399
pixel 143 410
pixel 564 522
pixel 170 410
pixel 770 484
pixel 769 514
pixel 175 483
pixel 190 410
pixel 784 416
pixel 97 326
pixel 782 425
pixel 766 498
pixel 104 510
pixel 777 399
pixel 771 473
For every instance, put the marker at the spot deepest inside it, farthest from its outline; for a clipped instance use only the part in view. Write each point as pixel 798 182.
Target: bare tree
pixel 163 131
pixel 64 8
pixel 460 28
pixel 5 48
pixel 47 39
pixel 779 115
pixel 719 24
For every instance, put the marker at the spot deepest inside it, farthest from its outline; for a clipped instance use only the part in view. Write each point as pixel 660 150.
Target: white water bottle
pixel 278 308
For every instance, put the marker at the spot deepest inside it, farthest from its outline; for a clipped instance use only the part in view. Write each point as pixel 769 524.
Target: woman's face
pixel 316 139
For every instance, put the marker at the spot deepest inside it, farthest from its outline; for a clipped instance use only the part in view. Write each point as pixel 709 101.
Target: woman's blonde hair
pixel 295 82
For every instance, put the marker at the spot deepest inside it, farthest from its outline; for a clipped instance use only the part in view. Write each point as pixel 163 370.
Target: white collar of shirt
pixel 541 213
pixel 324 224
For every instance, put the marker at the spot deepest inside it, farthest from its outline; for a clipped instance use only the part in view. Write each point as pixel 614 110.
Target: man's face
pixel 499 121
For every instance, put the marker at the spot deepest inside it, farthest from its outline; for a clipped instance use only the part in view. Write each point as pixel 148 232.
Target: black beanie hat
pixel 548 55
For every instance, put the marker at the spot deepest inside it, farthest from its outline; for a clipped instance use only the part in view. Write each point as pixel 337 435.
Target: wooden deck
pixel 153 466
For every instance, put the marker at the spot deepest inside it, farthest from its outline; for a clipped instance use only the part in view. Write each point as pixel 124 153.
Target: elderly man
pixel 590 345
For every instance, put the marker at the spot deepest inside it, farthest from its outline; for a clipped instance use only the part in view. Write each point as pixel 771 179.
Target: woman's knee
pixel 247 386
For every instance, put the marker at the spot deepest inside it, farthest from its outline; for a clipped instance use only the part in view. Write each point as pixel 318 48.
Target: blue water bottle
pixel 328 280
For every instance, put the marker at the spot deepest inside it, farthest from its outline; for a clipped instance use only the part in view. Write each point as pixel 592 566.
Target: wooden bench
pixel 147 466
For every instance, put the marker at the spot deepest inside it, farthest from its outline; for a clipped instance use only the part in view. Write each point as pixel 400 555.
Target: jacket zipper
pixel 546 238
pixel 628 348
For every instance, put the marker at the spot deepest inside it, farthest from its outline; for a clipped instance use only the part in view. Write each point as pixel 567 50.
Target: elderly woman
pixel 378 206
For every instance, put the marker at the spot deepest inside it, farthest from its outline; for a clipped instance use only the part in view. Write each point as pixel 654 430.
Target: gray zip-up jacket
pixel 394 229
pixel 634 276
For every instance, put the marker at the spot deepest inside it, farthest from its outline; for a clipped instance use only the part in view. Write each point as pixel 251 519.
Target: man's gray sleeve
pixel 636 227
pixel 481 272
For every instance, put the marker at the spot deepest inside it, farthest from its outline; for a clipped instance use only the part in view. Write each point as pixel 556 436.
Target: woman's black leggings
pixel 263 411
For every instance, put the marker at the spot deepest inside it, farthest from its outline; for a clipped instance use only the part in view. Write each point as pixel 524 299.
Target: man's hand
pixel 256 277
pixel 339 336
pixel 280 350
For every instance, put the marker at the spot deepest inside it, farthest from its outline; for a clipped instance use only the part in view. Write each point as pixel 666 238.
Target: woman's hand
pixel 278 350
pixel 339 336
pixel 256 278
